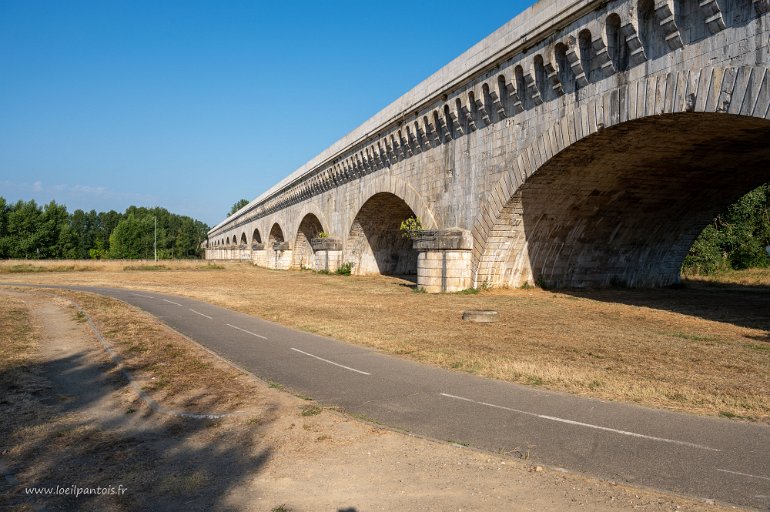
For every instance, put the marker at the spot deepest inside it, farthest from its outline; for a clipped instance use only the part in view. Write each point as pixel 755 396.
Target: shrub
pixel 411 227
pixel 345 269
pixel 736 239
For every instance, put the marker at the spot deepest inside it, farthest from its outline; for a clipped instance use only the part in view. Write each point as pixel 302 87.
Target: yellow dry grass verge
pixel 175 372
pixel 749 277
pixel 19 378
pixel 696 349
pixel 17 338
pixel 46 266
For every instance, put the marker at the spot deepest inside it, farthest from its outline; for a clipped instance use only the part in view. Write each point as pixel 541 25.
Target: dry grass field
pixel 703 348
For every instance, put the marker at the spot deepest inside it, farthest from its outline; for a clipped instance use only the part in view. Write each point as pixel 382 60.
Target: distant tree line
pixel 736 239
pixel 31 231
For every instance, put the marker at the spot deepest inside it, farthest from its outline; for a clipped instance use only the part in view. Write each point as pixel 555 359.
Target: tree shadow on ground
pixel 741 305
pixel 51 438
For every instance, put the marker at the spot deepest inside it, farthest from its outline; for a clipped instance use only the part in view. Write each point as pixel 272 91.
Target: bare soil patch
pixel 69 418
pixel 704 348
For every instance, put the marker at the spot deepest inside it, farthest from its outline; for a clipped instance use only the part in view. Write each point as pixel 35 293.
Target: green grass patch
pixel 210 266
pixel 28 268
pixel 311 410
pixel 345 269
pixel 148 268
pixel 694 337
pixel 732 416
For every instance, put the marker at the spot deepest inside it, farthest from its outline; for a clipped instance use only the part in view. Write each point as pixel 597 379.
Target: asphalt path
pixel 709 458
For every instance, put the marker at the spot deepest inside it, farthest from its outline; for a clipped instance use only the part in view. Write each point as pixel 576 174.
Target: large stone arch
pixel 309 227
pixel 682 122
pixel 256 237
pixel 276 235
pixel 399 188
pixel 311 208
pixel 374 243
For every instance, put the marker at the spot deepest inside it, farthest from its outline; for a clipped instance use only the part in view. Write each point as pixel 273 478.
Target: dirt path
pixel 86 428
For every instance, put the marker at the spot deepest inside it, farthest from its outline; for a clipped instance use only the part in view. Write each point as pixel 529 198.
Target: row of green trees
pixel 736 239
pixel 31 231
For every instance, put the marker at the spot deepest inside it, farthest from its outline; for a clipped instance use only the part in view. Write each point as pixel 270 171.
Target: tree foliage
pixel 29 231
pixel 237 206
pixel 736 239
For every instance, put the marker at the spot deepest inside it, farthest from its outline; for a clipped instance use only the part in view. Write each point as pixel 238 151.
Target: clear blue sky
pixel 192 105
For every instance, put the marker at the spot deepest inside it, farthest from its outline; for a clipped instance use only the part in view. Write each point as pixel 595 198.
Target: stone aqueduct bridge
pixel 584 143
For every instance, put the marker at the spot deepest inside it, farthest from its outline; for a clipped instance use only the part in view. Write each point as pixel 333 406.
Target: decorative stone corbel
pixel 515 98
pixel 713 13
pixel 467 111
pixel 411 144
pixel 481 108
pixel 396 147
pixel 664 12
pixel 440 127
pixel 388 154
pixel 422 138
pixel 603 57
pixel 354 168
pixel 636 55
pixel 573 58
pixel 383 151
pixel 553 77
pixel 435 135
pixel 497 104
pixel 455 116
pixel 531 83
pixel 374 157
pixel 406 149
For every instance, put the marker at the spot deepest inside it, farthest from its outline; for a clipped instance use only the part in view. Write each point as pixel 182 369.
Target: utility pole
pixel 155 243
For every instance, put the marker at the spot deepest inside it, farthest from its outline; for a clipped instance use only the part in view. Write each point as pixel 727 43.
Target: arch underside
pixel 256 237
pixel 308 229
pixel 375 244
pixel 623 206
pixel 276 235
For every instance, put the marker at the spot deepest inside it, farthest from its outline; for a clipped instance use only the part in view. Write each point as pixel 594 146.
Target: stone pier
pixel 327 253
pixel 444 260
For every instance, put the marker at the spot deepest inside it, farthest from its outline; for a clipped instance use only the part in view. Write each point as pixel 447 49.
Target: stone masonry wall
pixel 458 150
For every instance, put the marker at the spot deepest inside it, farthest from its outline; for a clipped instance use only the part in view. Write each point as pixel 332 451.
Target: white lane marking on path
pixel 587 425
pixel 331 362
pixel 172 302
pixel 140 295
pixel 247 332
pixel 201 314
pixel 743 474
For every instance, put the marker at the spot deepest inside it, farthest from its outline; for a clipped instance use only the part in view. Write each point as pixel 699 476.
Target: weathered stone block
pixel 326 244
